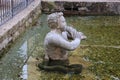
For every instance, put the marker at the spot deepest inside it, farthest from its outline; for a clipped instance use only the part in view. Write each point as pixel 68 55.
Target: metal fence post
pixel 26 2
pixel 12 7
pixel 9 8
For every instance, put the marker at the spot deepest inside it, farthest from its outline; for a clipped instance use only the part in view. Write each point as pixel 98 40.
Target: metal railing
pixel 9 8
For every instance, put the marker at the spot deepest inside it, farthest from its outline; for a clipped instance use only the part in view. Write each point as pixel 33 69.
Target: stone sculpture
pixel 58 42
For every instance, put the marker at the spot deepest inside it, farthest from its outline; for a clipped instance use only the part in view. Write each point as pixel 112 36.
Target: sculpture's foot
pixel 75 68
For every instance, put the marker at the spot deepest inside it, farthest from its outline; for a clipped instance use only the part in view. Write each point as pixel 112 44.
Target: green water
pixel 103 44
pixel 100 30
pixel 99 53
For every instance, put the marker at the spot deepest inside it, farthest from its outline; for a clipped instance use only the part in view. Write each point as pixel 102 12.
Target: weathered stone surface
pixel 82 8
pixel 84 0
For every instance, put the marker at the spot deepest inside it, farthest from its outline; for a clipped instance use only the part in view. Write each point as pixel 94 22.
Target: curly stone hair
pixel 52 19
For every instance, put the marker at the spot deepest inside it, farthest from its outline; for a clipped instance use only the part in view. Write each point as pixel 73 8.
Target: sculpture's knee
pixel 75 68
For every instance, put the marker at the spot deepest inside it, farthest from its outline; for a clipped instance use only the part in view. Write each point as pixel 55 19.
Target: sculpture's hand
pixel 81 35
pixel 73 33
pixel 76 35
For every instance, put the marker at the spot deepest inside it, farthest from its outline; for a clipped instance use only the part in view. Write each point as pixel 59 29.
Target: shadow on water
pixel 99 54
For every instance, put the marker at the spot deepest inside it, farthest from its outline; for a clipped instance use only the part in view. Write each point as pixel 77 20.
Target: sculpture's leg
pixel 60 66
pixel 55 66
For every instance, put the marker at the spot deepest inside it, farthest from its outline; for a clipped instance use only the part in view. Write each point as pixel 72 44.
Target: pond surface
pixel 99 53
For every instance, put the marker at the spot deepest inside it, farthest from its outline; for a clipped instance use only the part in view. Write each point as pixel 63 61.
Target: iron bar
pixel 9 8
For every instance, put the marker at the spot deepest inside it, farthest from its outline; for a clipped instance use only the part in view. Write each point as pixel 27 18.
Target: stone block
pixel 15 35
pixel 30 20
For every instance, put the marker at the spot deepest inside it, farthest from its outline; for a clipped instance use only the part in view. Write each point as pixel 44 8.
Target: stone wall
pixel 82 8
pixel 10 31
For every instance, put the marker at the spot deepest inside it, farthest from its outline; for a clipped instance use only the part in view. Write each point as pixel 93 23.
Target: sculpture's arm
pixel 67 36
pixel 73 32
pixel 61 42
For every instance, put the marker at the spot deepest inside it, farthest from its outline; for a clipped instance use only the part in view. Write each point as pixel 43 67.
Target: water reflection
pixel 11 64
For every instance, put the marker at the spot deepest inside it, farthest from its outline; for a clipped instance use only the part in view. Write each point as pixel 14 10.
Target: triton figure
pixel 58 42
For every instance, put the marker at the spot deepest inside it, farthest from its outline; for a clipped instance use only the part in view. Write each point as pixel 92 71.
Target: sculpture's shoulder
pixel 50 37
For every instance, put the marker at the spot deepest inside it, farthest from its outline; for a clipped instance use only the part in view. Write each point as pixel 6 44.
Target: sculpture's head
pixel 56 20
